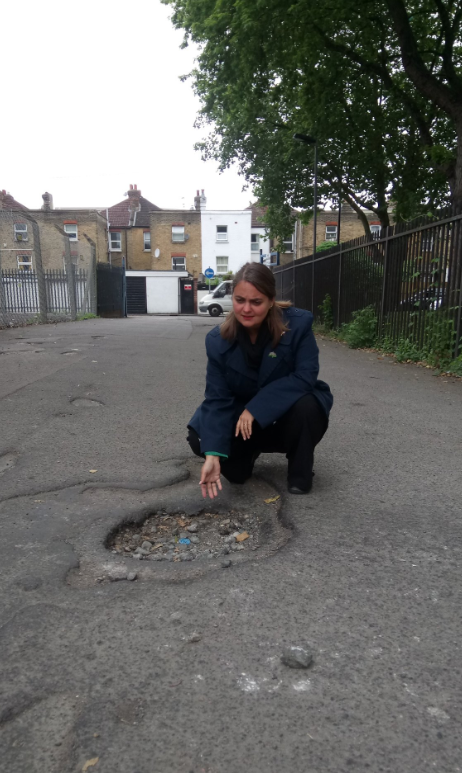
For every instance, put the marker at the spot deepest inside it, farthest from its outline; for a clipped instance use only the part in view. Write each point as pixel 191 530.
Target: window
pixel 147 240
pixel 255 242
pixel 116 240
pixel 222 264
pixel 222 233
pixel 287 245
pixel 179 264
pixel 177 233
pixel 25 262
pixel 375 231
pixel 71 230
pixel 331 233
pixel 20 232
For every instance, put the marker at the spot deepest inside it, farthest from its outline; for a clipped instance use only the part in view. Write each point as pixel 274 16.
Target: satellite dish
pixel 157 252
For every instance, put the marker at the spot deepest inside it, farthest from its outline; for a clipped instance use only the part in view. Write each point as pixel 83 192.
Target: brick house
pixel 326 228
pixel 176 237
pixel 261 244
pixel 16 234
pixel 78 223
pixel 130 231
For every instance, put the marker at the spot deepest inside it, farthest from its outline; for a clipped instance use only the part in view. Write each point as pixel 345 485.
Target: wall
pixel 161 238
pixel 162 290
pixel 237 248
pixel 10 248
pixel 89 222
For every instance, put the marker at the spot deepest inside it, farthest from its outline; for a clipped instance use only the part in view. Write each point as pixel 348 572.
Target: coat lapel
pixel 236 361
pixel 272 357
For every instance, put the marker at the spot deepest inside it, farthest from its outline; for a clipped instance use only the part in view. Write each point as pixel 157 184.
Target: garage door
pixel 162 292
pixel 136 295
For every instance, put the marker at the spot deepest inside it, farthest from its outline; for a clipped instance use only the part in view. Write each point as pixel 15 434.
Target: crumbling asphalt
pixel 180 670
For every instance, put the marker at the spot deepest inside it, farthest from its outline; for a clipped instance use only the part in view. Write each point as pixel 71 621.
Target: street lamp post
pixel 308 140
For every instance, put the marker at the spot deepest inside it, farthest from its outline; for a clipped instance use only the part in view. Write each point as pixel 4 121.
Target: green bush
pixel 407 350
pixel 327 313
pixel 456 366
pixel 361 332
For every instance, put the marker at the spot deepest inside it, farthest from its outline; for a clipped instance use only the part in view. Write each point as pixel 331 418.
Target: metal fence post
pixel 70 275
pixel 90 292
pixel 42 290
pixel 457 341
pixel 339 284
pixel 384 286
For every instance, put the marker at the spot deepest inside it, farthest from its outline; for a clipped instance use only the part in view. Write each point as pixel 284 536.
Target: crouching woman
pixel 262 390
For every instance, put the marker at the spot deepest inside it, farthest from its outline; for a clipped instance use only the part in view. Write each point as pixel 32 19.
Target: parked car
pixel 431 298
pixel 218 301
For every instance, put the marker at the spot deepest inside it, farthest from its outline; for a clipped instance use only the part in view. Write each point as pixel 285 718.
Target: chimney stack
pixel 200 200
pixel 3 197
pixel 134 204
pixel 47 205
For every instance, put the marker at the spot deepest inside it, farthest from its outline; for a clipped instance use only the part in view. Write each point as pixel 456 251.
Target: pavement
pixel 365 571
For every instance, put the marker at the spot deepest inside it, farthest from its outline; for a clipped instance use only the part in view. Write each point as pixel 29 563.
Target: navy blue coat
pixel 286 374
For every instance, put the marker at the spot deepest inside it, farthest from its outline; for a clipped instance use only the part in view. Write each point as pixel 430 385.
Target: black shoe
pixel 296 490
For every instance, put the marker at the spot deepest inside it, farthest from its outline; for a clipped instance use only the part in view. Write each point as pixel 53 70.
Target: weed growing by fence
pixel 326 311
pixel 361 332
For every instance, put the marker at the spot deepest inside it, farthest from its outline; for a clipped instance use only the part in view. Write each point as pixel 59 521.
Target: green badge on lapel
pixel 272 354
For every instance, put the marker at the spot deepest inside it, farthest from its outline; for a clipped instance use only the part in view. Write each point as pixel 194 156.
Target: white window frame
pixel 72 228
pixel 178 234
pixel 23 261
pixel 220 270
pixel 331 233
pixel 119 234
pixel 222 236
pixel 20 230
pixel 286 243
pixel 254 242
pixel 147 241
pixel 175 266
pixel 375 230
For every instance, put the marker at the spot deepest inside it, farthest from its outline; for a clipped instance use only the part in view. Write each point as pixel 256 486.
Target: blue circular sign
pixel 209 273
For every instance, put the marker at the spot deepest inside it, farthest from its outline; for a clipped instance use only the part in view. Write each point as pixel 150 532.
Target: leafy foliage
pixel 361 332
pixel 377 82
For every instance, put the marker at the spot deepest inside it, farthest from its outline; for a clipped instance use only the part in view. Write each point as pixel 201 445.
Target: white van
pixel 218 301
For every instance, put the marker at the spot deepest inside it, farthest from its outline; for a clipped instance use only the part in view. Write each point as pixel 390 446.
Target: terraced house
pixel 129 227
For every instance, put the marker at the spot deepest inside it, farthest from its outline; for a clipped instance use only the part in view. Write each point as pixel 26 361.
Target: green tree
pixel 377 82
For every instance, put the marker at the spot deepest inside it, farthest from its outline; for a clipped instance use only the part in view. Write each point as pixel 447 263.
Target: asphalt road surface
pixel 365 571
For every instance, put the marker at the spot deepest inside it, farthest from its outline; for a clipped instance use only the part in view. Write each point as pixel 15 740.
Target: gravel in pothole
pixel 165 537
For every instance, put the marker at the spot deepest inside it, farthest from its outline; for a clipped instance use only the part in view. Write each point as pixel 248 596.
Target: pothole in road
pixel 179 537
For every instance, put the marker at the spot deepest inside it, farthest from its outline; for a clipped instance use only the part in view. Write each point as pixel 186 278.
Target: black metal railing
pixel 411 274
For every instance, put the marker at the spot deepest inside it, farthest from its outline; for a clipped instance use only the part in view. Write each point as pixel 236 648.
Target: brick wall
pixel 161 238
pixel 11 249
pixel 88 222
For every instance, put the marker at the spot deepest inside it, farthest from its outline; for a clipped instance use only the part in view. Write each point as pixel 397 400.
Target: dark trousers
pixel 295 434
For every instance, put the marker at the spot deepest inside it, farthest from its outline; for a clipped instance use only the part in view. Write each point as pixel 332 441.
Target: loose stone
pixel 229 540
pixel 297 657
pixel 141 552
pixel 226 564
pixel 192 528
pixel 186 557
pixel 146 545
pixel 132 576
pixel 136 537
pixel 184 535
pixel 194 540
pixel 194 638
pixel 117 573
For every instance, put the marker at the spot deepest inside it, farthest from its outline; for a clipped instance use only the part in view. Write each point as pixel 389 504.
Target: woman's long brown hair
pixel 262 278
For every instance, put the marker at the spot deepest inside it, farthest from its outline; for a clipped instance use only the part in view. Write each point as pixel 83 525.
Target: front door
pixel 186 296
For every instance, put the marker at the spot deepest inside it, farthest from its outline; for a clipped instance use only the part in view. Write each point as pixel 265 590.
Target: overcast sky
pixel 92 102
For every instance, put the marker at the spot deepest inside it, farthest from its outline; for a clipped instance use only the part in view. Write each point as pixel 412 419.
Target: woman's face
pixel 250 306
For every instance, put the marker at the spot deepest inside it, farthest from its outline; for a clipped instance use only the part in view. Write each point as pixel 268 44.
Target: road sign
pixel 209 273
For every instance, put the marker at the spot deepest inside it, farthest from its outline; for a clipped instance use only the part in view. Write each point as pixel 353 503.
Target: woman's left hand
pixel 244 425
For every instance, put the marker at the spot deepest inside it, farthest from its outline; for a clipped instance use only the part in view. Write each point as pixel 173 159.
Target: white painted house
pixel 226 240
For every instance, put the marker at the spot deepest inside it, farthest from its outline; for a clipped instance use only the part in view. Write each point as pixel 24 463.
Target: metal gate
pixel 136 295
pixel 186 296
pixel 111 290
